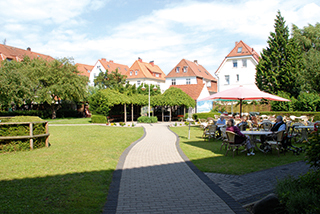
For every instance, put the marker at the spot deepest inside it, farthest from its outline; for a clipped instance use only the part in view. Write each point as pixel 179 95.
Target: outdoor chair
pixel 210 132
pixel 277 143
pixel 224 138
pixel 290 138
pixel 231 145
pixel 266 125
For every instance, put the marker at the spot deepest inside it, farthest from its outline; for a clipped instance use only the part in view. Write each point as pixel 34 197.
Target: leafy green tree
pixel 308 39
pixel 113 80
pixel 145 91
pixel 280 63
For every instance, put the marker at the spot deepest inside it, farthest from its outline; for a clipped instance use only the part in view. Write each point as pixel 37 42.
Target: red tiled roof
pixel 246 51
pixel 84 70
pixel 111 66
pixel 145 70
pixel 193 69
pixel 9 52
pixel 193 90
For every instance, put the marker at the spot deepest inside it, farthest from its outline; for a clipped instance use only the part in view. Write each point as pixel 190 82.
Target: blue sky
pixel 160 30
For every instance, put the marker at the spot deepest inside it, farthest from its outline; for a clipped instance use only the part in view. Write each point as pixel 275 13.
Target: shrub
pixel 205 115
pixel 146 119
pixel 96 118
pixel 300 195
pixel 313 150
pixel 122 124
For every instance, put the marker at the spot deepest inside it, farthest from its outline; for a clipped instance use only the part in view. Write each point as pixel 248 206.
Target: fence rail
pixel 31 136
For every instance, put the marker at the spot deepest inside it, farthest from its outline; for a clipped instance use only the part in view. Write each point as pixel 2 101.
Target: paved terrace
pixel 154 176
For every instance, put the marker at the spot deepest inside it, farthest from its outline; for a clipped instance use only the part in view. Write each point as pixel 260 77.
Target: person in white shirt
pixel 221 121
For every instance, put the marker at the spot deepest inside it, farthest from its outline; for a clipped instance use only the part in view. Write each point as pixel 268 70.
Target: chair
pixel 231 143
pixel 277 144
pixel 224 138
pixel 266 125
pixel 210 132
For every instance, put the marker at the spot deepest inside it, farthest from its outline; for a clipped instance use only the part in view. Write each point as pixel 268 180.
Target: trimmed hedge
pixel 97 118
pixel 197 116
pixel 146 119
pixel 61 113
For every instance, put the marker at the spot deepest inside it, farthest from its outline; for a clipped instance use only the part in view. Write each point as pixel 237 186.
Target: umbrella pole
pixel 240 107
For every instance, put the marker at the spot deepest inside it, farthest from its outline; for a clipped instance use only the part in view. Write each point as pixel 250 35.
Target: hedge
pixel 97 118
pixel 62 113
pixel 197 116
pixel 295 113
pixel 146 119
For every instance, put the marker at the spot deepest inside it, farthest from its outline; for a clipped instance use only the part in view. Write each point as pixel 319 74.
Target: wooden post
pixel 31 135
pixel 125 113
pixel 170 114
pixel 184 111
pixel 131 112
pixel 47 132
pixel 162 113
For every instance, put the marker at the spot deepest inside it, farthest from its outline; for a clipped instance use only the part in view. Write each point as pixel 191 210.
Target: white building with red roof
pixel 102 65
pixel 84 69
pixel 194 80
pixel 146 73
pixel 238 68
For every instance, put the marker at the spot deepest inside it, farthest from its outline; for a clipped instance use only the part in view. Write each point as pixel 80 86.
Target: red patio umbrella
pixel 242 93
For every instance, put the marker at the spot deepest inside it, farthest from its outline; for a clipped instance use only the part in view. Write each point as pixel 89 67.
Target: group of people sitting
pixel 241 138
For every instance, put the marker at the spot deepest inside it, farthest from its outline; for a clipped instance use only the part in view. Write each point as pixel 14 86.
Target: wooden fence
pixel 245 107
pixel 31 136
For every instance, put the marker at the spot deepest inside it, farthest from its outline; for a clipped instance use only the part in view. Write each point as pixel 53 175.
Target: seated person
pixel 278 126
pixel 243 124
pixel 240 138
pixel 221 121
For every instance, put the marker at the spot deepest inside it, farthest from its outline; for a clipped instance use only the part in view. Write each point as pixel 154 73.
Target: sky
pixel 162 31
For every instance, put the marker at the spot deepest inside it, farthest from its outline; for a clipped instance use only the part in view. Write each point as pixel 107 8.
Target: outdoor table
pixel 304 133
pixel 254 134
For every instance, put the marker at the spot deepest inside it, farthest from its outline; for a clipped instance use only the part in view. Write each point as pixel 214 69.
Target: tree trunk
pixel 184 111
pixel 125 113
pixel 54 110
pixel 131 112
pixel 170 114
pixel 162 113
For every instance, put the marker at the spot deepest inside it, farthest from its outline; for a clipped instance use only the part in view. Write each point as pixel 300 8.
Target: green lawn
pixel 69 121
pixel 71 176
pixel 207 156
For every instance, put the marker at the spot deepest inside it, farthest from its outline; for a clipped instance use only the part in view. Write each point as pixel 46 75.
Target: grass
pixel 69 121
pixel 207 157
pixel 71 176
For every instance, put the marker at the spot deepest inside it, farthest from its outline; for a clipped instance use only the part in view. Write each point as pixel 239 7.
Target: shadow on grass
pixel 84 192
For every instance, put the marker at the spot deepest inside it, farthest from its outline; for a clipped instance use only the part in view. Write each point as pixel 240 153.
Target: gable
pixel 141 69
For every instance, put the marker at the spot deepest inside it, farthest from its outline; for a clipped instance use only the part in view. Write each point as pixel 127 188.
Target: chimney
pixel 111 61
pixel 252 50
pixel 196 61
pixel 152 63
pixel 28 49
pixel 139 59
pixel 236 42
pixel 103 59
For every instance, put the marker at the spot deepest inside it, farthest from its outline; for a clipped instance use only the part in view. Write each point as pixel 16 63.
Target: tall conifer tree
pixel 279 63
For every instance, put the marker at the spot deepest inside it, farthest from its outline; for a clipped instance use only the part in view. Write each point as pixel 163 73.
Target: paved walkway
pixel 154 176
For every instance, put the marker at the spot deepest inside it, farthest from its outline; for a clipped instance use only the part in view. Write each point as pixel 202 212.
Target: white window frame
pixel 173 82
pixel 130 73
pixel 209 84
pixel 234 63
pixel 227 79
pixel 188 81
pixel 136 72
pixel 177 69
pixel 239 50
pixel 185 69
pixel 244 63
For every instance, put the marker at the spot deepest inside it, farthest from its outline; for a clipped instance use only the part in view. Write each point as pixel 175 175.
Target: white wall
pixel 246 74
pixel 179 81
pixel 95 72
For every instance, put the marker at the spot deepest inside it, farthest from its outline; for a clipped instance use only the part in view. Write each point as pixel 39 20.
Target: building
pixel 194 80
pixel 84 69
pixel 11 53
pixel 238 68
pixel 148 73
pixel 102 65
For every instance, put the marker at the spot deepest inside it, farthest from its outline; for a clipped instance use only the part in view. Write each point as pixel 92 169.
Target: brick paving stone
pixel 156 179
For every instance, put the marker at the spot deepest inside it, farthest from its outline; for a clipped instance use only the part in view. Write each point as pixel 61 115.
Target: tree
pixel 280 62
pixel 113 80
pixel 308 40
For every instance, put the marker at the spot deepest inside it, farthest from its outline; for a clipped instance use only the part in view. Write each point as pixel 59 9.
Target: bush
pixel 146 119
pixel 313 150
pixel 295 113
pixel 300 195
pixel 205 115
pixel 96 118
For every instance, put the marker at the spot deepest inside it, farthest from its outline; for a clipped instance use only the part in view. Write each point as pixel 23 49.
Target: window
pixel 125 69
pixel 238 77
pixel 173 81
pixel 185 68
pixel 227 80
pixel 108 66
pixel 239 49
pixel 98 66
pixel 138 83
pixel 130 73
pixel 177 69
pixel 188 81
pixel 235 63
pixel 244 62
pixel 209 84
pixel 157 75
pixel 136 72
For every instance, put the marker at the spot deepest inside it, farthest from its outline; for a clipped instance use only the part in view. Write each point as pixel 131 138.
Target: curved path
pixel 154 176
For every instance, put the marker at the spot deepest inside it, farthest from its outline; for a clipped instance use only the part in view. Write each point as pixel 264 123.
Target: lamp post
pixel 143 89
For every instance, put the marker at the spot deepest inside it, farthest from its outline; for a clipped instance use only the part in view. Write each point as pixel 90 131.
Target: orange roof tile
pixel 145 70
pixel 193 90
pixel 84 69
pixel 9 52
pixel 245 51
pixel 111 66
pixel 193 69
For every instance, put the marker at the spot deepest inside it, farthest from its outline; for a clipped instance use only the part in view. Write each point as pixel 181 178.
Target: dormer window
pixel 177 69
pixel 130 73
pixel 157 75
pixel 239 49
pixel 136 72
pixel 185 68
